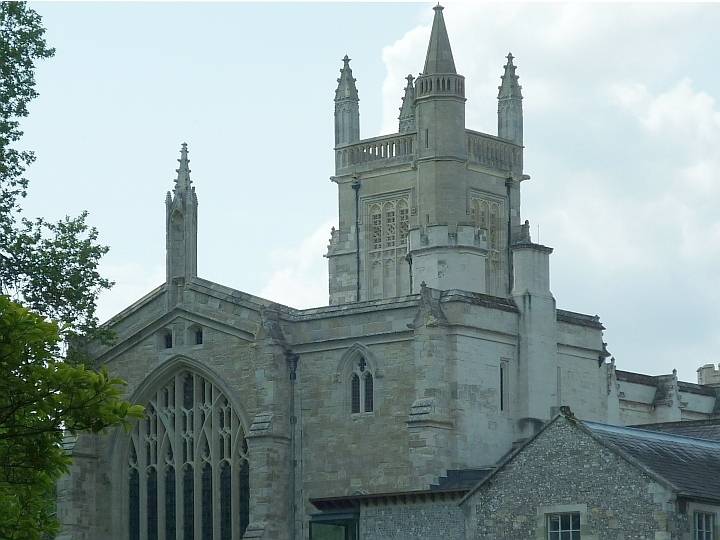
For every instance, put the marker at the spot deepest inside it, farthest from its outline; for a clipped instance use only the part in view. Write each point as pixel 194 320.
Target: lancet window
pixel 361 388
pixel 188 473
pixel 387 231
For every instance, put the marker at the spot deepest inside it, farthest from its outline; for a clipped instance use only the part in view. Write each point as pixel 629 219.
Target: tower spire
pixel 439 57
pixel 347 109
pixel 510 115
pixel 407 111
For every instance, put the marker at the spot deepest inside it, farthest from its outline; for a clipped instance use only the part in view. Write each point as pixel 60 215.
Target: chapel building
pixel 441 350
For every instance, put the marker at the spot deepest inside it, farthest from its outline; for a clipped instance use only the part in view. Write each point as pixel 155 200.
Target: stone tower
pixel 434 203
pixel 181 230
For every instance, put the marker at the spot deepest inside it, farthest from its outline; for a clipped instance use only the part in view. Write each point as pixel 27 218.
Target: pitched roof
pixel 690 465
pixel 698 429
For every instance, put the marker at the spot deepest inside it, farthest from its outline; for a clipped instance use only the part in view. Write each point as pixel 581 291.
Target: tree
pixel 49 284
pixel 48 267
pixel 41 396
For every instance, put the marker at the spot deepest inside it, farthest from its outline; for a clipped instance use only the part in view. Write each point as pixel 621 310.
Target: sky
pixel 622 137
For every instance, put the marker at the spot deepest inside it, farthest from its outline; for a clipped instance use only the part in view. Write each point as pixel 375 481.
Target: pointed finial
pixel 439 57
pixel 509 87
pixel 346 83
pixel 407 111
pixel 182 183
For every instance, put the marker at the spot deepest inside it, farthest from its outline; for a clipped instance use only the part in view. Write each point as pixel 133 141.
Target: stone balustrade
pixel 386 150
pixel 482 149
pixel 493 152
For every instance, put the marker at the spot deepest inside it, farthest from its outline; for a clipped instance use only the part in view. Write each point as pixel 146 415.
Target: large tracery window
pixel 388 226
pixel 487 215
pixel 188 467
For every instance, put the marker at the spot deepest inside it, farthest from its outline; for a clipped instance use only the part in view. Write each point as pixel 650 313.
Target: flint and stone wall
pixel 430 521
pixel 566 470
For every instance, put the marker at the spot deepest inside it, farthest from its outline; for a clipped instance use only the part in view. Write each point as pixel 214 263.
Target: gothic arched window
pixel 187 465
pixel 361 387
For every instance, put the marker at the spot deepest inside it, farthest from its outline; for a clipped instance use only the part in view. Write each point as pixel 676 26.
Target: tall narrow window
pixel 404 220
pixel 504 382
pixel 188 504
pixel 376 225
pixel 390 229
pixel 704 524
pixel 198 336
pixel 170 526
pixel 207 508
pixel 134 497
pixel 355 393
pixel 225 502
pixel 244 494
pixel 168 341
pixel 502 387
pixel 368 392
pixel 362 397
pixel 152 517
pixel 220 455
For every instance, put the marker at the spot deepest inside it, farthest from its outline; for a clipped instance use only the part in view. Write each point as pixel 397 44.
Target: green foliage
pixel 22 42
pixel 49 267
pixel 42 396
pixel 49 285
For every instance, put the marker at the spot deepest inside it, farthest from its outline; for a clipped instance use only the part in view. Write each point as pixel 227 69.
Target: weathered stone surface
pixel 455 323
pixel 565 470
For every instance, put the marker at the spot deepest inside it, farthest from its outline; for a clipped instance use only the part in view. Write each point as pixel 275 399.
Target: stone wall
pixel 566 470
pixel 412 521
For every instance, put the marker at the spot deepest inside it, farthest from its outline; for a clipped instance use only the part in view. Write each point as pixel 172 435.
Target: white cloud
pixel 621 141
pixel 300 273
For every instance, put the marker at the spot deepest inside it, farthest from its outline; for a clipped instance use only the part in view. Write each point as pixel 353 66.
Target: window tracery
pixel 190 443
pixel 487 216
pixel 387 269
pixel 361 387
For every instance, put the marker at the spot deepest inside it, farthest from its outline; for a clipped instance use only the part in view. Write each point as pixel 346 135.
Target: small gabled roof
pixel 688 466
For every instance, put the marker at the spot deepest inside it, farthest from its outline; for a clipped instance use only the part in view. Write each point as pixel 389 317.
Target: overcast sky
pixel 622 135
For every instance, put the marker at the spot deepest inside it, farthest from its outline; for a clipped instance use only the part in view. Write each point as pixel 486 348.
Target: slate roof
pixel 690 465
pixel 698 429
pixel 460 479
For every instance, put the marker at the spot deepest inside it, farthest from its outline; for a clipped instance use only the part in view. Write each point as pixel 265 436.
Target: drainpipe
pixel 292 359
pixel 356 187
